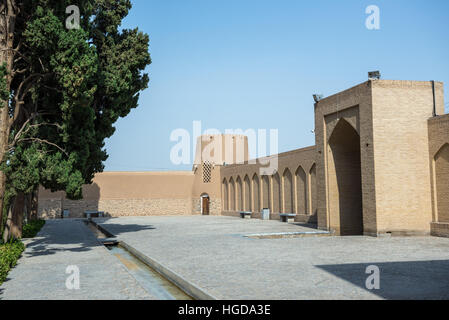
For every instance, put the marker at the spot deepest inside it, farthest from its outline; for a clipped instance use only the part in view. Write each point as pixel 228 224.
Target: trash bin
pixel 265 214
pixel 66 214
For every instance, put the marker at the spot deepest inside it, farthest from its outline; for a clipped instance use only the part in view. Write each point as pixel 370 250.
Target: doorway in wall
pixel 205 205
pixel 345 180
pixel 442 182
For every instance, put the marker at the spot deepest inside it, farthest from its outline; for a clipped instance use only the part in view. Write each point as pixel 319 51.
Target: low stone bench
pixel 246 214
pixel 288 217
pixel 65 214
pixel 93 214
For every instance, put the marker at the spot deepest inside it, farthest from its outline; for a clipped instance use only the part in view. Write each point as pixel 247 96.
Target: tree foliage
pixel 67 89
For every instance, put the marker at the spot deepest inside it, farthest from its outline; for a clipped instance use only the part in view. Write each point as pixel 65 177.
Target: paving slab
pixel 215 254
pixel 41 272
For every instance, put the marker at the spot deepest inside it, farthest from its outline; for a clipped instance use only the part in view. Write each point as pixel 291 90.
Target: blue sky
pixel 255 64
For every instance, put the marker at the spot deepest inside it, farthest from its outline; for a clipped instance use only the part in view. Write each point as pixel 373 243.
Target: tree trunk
pixel 28 199
pixel 14 224
pixel 4 132
pixel 6 233
pixel 34 205
pixel 7 27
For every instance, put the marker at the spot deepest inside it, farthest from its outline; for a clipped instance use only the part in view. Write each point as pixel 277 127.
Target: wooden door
pixel 205 206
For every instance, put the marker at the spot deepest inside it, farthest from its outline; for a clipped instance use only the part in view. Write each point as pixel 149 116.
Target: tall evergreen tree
pixel 63 90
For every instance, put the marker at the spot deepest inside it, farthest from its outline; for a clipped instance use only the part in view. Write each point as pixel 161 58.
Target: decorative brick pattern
pixel 207 172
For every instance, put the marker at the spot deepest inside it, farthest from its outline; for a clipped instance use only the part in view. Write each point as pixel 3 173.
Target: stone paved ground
pixel 212 253
pixel 41 272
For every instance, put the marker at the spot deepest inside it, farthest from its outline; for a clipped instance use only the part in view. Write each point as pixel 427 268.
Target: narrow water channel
pixel 154 283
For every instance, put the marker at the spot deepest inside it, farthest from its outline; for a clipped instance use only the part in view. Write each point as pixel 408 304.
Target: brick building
pixel 380 166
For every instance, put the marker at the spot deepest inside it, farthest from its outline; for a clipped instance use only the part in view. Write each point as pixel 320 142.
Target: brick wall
pixel 50 208
pixel 214 206
pixel 354 105
pixel 130 207
pixel 401 144
pixel 404 170
pixel 439 168
pixel 290 188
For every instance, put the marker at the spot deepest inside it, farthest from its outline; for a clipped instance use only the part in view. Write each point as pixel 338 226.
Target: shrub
pixel 31 229
pixel 9 254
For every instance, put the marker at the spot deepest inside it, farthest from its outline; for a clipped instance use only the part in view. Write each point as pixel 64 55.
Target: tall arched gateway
pixel 442 181
pixel 345 185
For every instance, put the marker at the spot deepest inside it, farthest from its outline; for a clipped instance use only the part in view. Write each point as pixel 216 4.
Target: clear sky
pixel 256 63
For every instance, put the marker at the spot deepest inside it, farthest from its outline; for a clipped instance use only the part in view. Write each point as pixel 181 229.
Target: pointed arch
pixel 345 180
pixel 266 192
pixel 277 197
pixel 256 193
pixel 225 193
pixel 239 186
pixel 232 195
pixel 287 190
pixel 442 150
pixel 247 193
pixel 347 122
pixel 441 164
pixel 313 190
pixel 301 191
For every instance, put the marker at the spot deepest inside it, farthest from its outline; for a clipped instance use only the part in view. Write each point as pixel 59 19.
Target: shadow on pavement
pixel 120 228
pixel 61 236
pixel 306 225
pixel 40 248
pixel 399 280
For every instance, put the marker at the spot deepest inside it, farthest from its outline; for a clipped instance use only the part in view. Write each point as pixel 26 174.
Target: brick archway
pixel 442 183
pixel 345 182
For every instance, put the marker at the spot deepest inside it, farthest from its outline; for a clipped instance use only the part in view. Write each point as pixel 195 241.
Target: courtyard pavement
pixel 212 253
pixel 41 272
